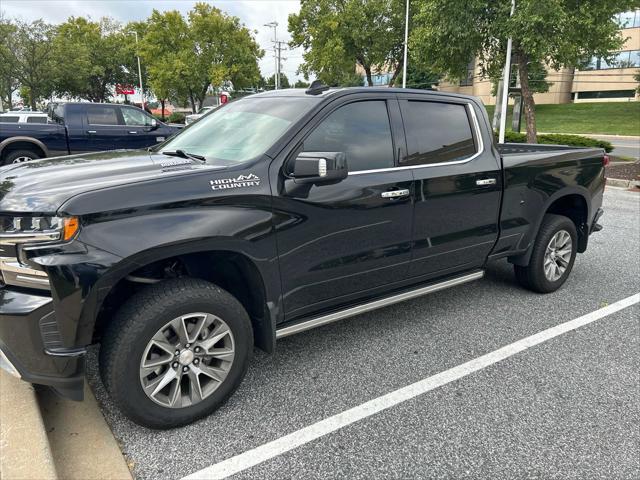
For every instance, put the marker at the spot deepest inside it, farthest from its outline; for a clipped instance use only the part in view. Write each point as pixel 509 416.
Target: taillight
pixel 605 160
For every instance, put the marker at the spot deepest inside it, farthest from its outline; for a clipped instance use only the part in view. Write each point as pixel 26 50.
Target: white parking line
pixel 265 452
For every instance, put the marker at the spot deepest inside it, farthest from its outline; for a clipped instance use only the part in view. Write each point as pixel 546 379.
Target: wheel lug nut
pixel 187 345
pixel 197 349
pixel 196 361
pixel 177 353
pixel 185 369
pixel 175 365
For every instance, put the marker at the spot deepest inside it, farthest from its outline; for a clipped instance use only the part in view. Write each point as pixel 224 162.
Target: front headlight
pixel 16 232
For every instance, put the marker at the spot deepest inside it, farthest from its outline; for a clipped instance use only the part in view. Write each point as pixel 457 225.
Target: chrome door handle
pixel 91 131
pixel 396 193
pixel 133 132
pixel 486 181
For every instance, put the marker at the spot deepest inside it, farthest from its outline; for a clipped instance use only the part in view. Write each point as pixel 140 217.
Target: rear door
pixel 346 241
pixel 457 184
pixel 105 127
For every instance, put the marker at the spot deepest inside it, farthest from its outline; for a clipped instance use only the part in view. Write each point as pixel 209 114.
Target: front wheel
pixel 554 253
pixel 175 352
pixel 20 156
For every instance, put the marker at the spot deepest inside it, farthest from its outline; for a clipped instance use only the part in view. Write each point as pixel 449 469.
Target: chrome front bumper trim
pixel 16 274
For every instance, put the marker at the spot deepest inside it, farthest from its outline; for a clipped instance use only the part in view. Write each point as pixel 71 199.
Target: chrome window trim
pixel 481 149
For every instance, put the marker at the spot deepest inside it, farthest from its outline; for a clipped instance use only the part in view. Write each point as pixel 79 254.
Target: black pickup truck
pixel 80 128
pixel 278 213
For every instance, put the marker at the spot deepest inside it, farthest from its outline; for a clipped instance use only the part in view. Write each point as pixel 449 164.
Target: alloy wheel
pixel 187 360
pixel 557 255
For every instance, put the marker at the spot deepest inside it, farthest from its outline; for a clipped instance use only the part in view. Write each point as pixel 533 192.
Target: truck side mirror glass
pixel 320 168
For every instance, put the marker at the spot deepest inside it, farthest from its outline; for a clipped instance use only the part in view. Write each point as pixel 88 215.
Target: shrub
pixel 176 117
pixel 559 139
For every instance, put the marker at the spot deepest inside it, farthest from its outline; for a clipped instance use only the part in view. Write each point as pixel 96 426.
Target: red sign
pixel 223 98
pixel 124 89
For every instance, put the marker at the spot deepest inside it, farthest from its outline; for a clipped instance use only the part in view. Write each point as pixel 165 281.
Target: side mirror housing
pixel 154 124
pixel 320 168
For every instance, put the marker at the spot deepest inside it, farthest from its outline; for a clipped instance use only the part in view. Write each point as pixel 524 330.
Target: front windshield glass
pixel 240 130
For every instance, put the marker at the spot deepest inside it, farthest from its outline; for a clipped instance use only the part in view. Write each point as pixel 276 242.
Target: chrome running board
pixel 383 302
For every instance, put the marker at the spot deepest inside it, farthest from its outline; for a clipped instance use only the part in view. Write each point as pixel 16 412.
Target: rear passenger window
pixel 361 130
pixel 437 132
pixel 8 119
pixel 36 119
pixel 102 115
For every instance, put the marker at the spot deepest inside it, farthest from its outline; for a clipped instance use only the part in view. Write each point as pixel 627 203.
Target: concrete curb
pixel 82 444
pixel 24 447
pixel 617 182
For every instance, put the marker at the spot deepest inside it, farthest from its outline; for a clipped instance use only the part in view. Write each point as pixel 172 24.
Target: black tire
pixel 10 157
pixel 532 277
pixel 125 340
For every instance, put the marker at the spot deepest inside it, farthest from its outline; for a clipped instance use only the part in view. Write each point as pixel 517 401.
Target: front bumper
pixel 30 344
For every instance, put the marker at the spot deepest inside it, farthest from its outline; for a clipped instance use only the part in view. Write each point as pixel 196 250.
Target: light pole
pixel 276 75
pixel 139 71
pixel 406 40
pixel 505 84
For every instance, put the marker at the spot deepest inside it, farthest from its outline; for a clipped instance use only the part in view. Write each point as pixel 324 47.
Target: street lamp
pixel 139 71
pixel 276 75
pixel 406 40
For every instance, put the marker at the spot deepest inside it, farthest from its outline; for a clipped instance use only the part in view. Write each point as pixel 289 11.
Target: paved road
pixel 567 408
pixel 626 147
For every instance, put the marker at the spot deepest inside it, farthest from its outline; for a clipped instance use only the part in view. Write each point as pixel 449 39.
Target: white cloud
pixel 253 13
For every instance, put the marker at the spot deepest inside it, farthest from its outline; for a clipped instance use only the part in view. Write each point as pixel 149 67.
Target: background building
pixel 597 81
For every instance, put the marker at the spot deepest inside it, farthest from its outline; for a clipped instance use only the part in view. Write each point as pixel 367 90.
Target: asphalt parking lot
pixel 566 408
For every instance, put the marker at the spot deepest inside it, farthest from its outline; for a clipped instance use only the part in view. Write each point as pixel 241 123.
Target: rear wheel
pixel 175 352
pixel 554 253
pixel 20 156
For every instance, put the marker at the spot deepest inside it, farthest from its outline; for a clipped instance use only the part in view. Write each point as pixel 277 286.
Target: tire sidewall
pixel 145 410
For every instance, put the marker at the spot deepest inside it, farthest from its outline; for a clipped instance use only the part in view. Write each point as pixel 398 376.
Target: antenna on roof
pixel 316 88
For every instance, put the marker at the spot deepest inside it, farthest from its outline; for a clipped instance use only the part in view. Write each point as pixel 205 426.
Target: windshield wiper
pixel 183 154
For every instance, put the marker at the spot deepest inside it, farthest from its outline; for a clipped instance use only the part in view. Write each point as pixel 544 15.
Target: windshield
pixel 240 130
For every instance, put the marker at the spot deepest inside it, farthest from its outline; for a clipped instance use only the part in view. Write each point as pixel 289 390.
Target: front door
pixel 105 128
pixel 343 242
pixel 457 185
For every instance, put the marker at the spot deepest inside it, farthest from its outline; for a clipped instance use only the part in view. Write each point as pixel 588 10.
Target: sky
pixel 253 13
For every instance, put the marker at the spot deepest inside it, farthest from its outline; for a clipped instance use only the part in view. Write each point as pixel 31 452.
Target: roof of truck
pixel 301 92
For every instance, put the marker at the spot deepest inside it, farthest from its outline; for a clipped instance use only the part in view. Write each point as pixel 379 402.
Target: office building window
pixel 628 59
pixel 628 19
pixel 468 80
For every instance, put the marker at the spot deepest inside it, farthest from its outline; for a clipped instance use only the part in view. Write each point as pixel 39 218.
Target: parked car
pixel 81 128
pixel 197 116
pixel 23 116
pixel 281 212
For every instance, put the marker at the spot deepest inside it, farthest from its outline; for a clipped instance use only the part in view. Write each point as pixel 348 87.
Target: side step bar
pixel 383 302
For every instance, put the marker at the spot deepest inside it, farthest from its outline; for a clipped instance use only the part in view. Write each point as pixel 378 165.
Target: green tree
pixel 301 84
pixel 101 58
pixel 418 76
pixel 636 77
pixel 556 33
pixel 28 52
pixel 338 34
pixel 208 49
pixel 284 81
pixel 8 81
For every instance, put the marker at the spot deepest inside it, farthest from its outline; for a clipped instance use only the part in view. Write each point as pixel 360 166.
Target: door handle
pixel 132 132
pixel 91 131
pixel 486 181
pixel 396 193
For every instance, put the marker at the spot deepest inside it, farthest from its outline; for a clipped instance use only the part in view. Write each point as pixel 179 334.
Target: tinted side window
pixel 135 117
pixel 36 119
pixel 102 115
pixel 437 132
pixel 361 130
pixel 8 119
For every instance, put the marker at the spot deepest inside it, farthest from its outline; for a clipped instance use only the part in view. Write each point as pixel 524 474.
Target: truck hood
pixel 42 186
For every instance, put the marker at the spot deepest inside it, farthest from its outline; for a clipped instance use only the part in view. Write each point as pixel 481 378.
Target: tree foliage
pixel 9 83
pixel 556 33
pixel 185 56
pixel 338 34
pixel 27 50
pixel 91 57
